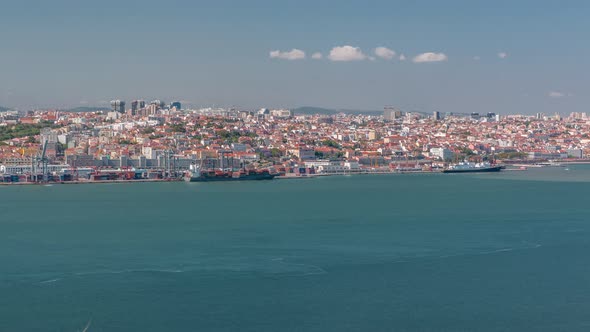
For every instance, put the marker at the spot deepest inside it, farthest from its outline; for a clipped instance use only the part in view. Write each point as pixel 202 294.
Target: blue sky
pixel 218 53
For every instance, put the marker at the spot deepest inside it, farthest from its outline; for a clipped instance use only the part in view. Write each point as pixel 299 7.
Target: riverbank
pixel 307 176
pixel 87 182
pixel 291 176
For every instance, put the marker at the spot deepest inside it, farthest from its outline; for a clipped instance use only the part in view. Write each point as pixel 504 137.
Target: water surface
pixel 438 252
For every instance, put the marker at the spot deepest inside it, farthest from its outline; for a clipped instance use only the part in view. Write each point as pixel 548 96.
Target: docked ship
pixel 467 167
pixel 197 175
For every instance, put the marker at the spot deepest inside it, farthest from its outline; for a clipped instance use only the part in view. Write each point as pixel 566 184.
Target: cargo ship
pixel 467 167
pixel 197 175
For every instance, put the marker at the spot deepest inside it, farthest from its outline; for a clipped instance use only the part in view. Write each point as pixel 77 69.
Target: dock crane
pixel 42 161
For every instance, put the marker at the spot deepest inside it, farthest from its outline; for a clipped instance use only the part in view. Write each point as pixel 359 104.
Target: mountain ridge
pixel 312 110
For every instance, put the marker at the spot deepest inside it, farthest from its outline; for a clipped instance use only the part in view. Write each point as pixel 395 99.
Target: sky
pixel 498 56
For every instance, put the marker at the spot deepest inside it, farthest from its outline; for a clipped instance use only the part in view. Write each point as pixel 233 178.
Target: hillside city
pixel 162 139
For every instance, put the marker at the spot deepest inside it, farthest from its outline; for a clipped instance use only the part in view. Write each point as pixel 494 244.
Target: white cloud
pixel 384 53
pixel 559 94
pixel 316 56
pixel 502 55
pixel 402 57
pixel 430 57
pixel 346 53
pixel 293 54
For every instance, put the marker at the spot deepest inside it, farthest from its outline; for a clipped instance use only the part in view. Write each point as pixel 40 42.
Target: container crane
pixel 43 161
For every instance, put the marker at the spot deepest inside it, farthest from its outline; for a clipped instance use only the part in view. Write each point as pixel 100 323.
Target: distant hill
pixel 310 110
pixel 4 109
pixel 85 109
pixel 364 112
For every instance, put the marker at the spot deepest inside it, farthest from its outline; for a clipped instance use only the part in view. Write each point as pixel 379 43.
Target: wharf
pixel 307 176
pixel 87 182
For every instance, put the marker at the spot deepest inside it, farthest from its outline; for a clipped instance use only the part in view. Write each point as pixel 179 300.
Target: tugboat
pixel 467 167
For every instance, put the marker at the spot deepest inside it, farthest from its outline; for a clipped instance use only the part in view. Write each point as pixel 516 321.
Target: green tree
pixel 147 130
pixel 178 128
pixel 22 130
pixel 275 152
pixel 331 143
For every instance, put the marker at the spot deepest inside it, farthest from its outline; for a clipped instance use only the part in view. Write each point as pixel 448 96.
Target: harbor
pixel 219 175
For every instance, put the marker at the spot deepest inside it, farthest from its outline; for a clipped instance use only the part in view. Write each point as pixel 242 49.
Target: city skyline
pixel 462 56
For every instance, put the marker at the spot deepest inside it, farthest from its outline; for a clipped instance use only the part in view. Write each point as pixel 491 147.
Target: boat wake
pixel 128 271
pixel 264 265
pixel 104 272
pixel 300 269
pixel 495 251
pixel 528 246
pixel 50 281
pixel 87 325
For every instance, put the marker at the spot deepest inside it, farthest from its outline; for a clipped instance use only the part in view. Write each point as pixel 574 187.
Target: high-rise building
pixel 391 113
pixel 136 105
pixel 158 103
pixel 176 104
pixel 436 115
pixel 50 136
pixel 118 106
pixel 151 109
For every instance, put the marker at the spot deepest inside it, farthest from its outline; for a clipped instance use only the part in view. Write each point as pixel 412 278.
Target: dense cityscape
pixel 158 141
